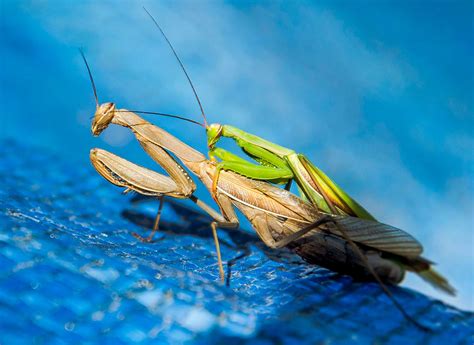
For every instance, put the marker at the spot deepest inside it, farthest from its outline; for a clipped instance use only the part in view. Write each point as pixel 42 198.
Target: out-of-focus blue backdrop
pixel 379 95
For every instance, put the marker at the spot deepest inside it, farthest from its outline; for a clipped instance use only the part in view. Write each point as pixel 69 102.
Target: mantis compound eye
pixel 102 118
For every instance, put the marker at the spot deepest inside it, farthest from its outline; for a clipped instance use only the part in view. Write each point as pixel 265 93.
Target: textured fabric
pixel 72 272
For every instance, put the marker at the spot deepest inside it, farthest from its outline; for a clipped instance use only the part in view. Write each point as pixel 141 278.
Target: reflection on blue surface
pixel 72 272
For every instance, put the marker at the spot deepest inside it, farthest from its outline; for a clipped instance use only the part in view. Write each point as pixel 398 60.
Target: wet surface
pixel 72 272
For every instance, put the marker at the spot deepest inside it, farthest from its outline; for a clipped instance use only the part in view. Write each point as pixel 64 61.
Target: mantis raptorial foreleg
pixel 126 174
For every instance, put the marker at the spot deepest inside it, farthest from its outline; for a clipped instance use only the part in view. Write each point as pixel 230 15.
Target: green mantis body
pixel 279 164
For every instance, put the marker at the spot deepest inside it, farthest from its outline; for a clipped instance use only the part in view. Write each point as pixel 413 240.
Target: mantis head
pixel 102 117
pixel 213 132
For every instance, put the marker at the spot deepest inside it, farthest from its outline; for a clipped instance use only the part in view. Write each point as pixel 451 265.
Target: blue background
pixel 379 95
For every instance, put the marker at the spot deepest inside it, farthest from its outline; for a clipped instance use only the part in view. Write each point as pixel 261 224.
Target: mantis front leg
pixel 126 174
pixel 276 171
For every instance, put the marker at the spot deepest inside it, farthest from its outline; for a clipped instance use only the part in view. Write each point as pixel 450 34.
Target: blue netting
pixel 72 272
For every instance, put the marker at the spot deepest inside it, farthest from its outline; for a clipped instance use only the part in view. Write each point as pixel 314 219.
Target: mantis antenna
pixel 135 111
pixel 165 115
pixel 90 77
pixel 181 64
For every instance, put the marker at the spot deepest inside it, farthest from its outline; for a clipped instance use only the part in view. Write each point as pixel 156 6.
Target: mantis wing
pixel 378 235
pixel 335 194
pixel 284 204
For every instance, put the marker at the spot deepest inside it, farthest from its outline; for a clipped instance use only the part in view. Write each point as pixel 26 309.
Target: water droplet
pixel 69 326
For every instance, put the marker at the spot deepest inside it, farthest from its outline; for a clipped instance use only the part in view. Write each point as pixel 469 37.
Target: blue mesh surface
pixel 72 272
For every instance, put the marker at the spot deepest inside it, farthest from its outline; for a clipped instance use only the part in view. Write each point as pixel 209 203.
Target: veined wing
pixel 335 193
pixel 378 235
pixel 266 197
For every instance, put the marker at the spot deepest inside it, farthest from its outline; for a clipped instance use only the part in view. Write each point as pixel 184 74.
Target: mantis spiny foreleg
pixel 126 174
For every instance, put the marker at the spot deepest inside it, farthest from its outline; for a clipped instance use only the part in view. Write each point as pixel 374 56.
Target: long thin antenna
pixel 90 77
pixel 165 115
pixel 181 64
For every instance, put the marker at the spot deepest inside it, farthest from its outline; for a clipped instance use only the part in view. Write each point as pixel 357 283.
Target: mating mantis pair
pixel 325 226
pixel 363 248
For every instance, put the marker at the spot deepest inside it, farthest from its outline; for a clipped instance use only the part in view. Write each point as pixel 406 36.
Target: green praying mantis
pixel 276 163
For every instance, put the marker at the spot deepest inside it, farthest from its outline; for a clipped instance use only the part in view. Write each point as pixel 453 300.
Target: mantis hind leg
pixel 377 278
pixel 262 227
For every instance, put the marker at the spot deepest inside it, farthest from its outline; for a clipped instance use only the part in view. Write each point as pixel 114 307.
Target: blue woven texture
pixel 72 272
